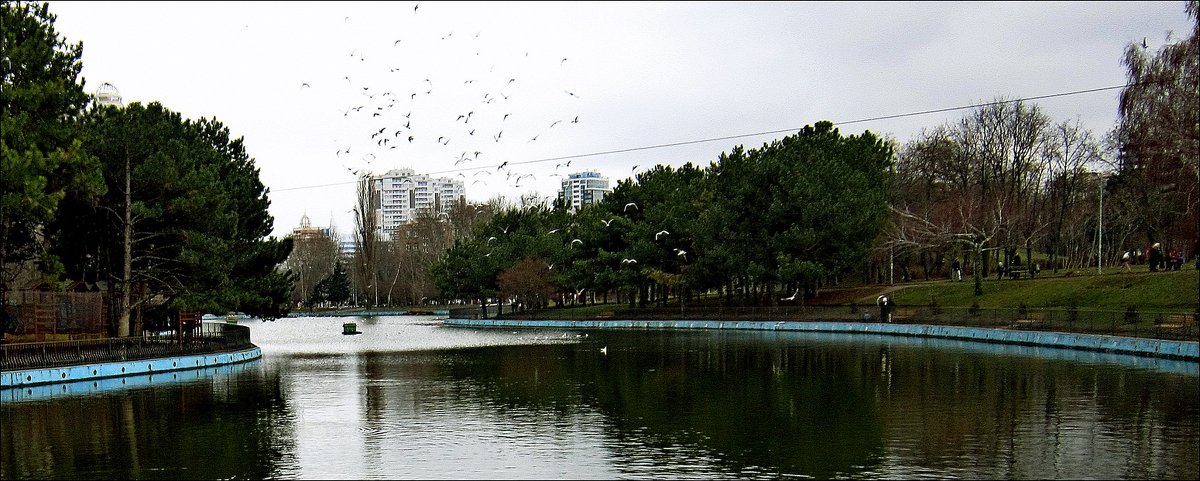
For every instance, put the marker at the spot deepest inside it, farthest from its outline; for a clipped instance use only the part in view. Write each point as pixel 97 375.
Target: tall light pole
pixel 892 265
pixel 1100 230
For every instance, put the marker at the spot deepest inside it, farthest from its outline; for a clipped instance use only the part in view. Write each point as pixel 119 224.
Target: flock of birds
pixel 406 110
pixel 400 109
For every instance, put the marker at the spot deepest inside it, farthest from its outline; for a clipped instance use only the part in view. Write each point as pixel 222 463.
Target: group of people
pixel 1171 261
pixel 1158 261
pixel 956 270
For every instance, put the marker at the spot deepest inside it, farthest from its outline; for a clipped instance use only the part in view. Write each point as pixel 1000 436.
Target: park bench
pixel 1030 321
pixel 1173 323
pixel 903 313
pixel 605 315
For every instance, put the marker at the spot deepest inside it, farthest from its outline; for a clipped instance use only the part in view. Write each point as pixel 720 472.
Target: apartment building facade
pixel 400 195
pixel 583 188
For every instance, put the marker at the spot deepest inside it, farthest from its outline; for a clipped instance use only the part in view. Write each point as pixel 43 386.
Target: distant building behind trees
pixel 402 193
pixel 582 189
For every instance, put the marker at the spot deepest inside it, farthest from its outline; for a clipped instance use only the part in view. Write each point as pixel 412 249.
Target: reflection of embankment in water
pixel 1173 366
pixel 112 384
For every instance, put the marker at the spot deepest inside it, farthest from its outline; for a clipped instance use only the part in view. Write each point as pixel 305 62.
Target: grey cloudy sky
pixel 288 76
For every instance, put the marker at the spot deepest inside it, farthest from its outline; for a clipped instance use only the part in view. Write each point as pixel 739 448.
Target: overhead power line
pixel 755 134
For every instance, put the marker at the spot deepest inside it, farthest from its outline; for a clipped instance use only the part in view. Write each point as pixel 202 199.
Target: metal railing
pixel 1155 325
pixel 207 338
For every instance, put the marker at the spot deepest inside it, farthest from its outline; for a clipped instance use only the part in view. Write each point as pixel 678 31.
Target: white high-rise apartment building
pixel 583 188
pixel 400 194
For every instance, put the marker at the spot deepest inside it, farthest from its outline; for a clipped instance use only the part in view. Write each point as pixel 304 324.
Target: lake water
pixel 410 398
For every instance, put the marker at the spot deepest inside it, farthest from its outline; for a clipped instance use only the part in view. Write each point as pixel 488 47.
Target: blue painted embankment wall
pixel 1171 349
pixel 122 383
pixel 65 374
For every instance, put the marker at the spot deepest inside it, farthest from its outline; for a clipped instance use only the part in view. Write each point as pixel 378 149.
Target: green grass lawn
pixel 1159 292
pixel 1175 291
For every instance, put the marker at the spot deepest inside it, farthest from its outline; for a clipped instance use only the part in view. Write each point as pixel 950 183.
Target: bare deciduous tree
pixel 312 259
pixel 365 266
pixel 1159 135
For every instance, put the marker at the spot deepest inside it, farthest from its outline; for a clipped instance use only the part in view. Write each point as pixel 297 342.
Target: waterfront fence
pixel 204 339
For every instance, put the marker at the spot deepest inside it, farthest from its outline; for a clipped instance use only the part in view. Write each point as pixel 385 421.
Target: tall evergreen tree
pixel 185 217
pixel 336 287
pixel 41 99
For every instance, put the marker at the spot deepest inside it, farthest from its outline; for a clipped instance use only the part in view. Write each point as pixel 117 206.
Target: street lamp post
pixel 1100 231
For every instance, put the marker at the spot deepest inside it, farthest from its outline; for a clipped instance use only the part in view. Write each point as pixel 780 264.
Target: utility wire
pixel 756 134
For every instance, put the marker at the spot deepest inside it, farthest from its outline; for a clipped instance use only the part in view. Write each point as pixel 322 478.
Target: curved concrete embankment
pixel 121 383
pixel 32 377
pixel 1186 350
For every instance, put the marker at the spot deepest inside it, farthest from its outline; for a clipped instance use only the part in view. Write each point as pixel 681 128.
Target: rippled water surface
pixel 410 398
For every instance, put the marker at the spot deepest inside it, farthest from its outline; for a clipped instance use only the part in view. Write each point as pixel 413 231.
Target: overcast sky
pixel 314 88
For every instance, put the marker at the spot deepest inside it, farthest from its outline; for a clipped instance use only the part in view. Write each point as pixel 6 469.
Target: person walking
pixel 956 270
pixel 886 305
pixel 1156 257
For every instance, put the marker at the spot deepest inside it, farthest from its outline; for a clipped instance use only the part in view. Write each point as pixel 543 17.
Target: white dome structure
pixel 107 94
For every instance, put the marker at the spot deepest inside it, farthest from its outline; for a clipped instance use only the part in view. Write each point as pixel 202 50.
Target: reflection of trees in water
pixel 691 404
pixel 756 405
pixel 744 408
pixel 1028 417
pixel 210 429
